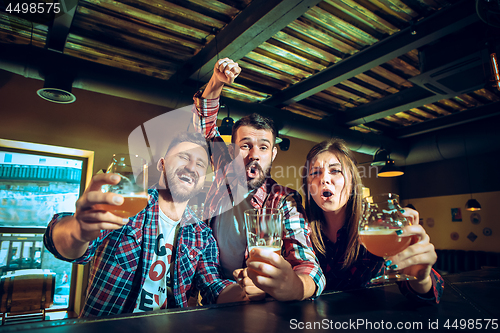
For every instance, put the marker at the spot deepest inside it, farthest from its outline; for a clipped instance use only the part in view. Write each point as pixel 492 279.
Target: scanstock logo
pixel 152 139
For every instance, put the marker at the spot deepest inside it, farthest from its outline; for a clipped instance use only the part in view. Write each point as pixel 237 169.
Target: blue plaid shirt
pixel 116 254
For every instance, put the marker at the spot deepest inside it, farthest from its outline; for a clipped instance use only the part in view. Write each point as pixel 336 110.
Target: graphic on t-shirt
pixel 153 294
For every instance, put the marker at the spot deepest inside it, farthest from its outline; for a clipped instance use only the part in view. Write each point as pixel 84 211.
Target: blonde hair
pixel 354 203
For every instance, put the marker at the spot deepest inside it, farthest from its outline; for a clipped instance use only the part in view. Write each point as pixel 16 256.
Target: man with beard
pixel 296 274
pixel 154 260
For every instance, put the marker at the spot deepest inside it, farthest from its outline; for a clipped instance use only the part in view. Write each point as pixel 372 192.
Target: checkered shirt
pixel 297 247
pixel 115 255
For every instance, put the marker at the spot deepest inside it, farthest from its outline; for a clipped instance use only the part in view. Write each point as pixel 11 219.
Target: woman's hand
pixel 418 258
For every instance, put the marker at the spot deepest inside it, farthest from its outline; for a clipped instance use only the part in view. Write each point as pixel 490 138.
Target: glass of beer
pixel 264 228
pixel 377 232
pixel 133 172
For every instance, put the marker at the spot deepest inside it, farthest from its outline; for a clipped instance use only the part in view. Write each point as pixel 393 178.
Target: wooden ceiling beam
pixel 390 105
pixel 261 20
pixel 455 119
pixel 426 31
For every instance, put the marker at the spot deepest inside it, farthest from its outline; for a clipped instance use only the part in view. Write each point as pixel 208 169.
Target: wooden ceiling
pixel 392 67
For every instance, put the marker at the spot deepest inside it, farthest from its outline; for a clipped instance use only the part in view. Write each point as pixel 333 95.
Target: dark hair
pixel 354 203
pixel 256 121
pixel 193 137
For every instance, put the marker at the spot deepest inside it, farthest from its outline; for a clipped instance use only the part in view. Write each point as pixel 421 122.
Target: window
pixel 37 181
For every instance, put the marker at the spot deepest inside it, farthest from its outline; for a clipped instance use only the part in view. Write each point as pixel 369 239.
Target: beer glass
pixel 377 232
pixel 264 228
pixel 133 172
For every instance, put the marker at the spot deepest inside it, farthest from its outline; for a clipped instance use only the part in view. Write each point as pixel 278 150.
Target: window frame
pixel 79 273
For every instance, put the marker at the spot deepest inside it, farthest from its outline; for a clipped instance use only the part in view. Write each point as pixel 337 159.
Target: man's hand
pixel 91 220
pixel 232 293
pixel 274 275
pixel 225 72
pixel 253 293
pixel 72 234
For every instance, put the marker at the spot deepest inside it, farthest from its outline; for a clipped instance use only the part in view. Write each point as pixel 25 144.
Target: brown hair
pixel 256 121
pixel 193 137
pixel 354 202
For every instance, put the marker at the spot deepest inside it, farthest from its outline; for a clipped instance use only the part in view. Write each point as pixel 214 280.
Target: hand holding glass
pixel 377 232
pixel 264 228
pixel 133 173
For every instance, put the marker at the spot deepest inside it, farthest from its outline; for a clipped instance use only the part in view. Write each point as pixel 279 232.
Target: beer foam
pixel 377 232
pixel 272 248
pixel 135 195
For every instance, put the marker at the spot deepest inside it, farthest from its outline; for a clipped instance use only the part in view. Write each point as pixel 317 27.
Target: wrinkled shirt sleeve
pixel 297 244
pixel 49 243
pixel 209 280
pixel 205 116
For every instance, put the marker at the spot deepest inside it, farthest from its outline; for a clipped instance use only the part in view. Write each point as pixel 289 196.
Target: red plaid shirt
pixel 116 254
pixel 297 247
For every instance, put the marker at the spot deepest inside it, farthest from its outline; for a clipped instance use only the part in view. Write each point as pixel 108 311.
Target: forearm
pixel 422 287
pixel 232 293
pixel 213 89
pixel 309 287
pixel 66 240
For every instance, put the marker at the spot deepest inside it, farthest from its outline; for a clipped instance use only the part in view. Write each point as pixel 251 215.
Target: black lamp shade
pixel 284 144
pixel 381 156
pixel 226 127
pixel 472 205
pixel 390 170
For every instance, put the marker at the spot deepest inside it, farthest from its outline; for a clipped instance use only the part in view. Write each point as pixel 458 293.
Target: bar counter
pixel 470 302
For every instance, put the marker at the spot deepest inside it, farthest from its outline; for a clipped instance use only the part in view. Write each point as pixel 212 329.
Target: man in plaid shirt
pixel 131 270
pixel 243 182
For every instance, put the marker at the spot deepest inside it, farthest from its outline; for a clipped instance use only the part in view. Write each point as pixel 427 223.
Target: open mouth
pixel 326 193
pixel 185 178
pixel 252 170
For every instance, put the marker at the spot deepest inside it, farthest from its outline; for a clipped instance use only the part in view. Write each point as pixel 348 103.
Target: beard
pixel 180 191
pixel 255 183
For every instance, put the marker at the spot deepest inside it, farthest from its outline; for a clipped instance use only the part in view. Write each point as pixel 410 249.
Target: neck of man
pixel 334 222
pixel 170 207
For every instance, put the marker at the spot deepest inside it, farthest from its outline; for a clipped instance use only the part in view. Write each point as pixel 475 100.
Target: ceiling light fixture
pixel 390 170
pixel 57 88
pixel 472 205
pixel 381 156
pixel 226 127
pixel 283 143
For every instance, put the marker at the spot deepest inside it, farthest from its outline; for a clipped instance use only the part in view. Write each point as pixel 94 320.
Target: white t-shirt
pixel 153 295
pixel 230 232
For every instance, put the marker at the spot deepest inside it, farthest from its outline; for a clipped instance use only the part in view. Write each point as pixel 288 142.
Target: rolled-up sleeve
pixel 205 116
pixel 49 242
pixel 297 244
